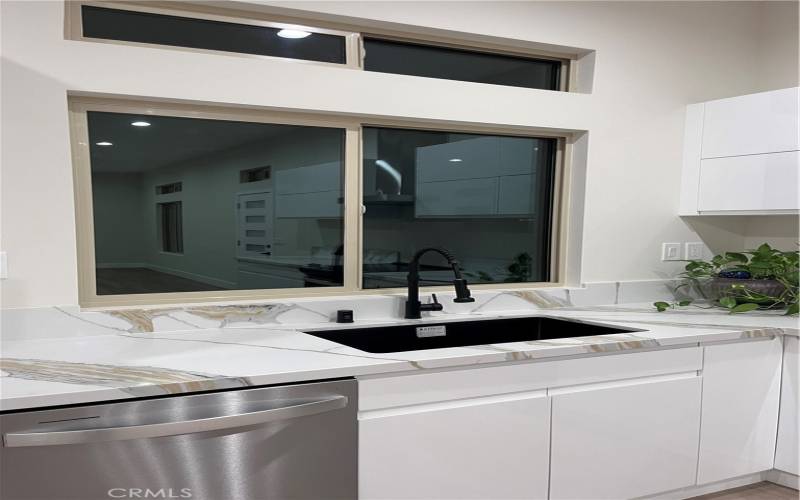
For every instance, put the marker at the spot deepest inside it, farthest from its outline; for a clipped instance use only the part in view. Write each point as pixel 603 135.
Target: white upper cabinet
pixel 313 191
pixel 752 182
pixel 751 124
pixel 485 176
pixel 741 155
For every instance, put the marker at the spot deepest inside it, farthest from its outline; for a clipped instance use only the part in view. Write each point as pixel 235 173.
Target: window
pixel 486 198
pixel 209 232
pixel 175 187
pixel 247 204
pixel 171 226
pixel 255 174
pixel 198 33
pixel 204 26
pixel 416 59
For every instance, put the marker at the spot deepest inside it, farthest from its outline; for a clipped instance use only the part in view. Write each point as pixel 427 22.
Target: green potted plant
pixel 764 278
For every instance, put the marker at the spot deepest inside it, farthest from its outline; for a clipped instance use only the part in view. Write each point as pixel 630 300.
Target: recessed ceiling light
pixel 104 143
pixel 141 124
pixel 455 160
pixel 293 34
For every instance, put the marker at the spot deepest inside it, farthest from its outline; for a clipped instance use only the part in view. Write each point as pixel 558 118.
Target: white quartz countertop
pixel 102 366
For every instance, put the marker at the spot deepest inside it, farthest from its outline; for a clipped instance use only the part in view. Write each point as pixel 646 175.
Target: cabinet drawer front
pixel 751 124
pixel 625 442
pixel 756 182
pixel 404 390
pixel 481 450
pixel 453 198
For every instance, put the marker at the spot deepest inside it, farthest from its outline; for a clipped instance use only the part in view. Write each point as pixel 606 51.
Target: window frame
pixel 353 192
pixel 354 35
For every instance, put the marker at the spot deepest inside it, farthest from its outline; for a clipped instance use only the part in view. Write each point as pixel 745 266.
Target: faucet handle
pixel 433 306
pixel 462 292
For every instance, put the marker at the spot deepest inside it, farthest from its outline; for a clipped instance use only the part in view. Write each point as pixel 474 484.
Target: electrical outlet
pixel 695 250
pixel 670 251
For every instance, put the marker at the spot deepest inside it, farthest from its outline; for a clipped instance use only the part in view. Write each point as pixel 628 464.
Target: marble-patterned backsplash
pixel 69 321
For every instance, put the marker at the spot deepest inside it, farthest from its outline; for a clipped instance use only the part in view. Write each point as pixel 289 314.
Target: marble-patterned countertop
pixel 124 363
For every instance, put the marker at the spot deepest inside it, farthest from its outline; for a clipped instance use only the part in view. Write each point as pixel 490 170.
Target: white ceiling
pixel 166 141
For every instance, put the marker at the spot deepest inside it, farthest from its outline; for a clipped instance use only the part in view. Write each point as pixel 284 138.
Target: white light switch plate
pixel 696 250
pixel 3 266
pixel 670 251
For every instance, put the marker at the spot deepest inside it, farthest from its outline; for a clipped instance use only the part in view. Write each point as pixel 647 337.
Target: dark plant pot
pixel 716 288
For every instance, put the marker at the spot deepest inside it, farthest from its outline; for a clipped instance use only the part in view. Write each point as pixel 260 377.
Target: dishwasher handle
pixel 20 439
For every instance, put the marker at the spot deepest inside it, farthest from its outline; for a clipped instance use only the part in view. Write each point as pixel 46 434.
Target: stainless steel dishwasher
pixel 284 442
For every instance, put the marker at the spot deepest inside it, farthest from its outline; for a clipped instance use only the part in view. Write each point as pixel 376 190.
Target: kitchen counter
pixel 113 363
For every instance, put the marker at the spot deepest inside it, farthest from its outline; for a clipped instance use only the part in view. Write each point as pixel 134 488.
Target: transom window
pixel 225 33
pixel 201 203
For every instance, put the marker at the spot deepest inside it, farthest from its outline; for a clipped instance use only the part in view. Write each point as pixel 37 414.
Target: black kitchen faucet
pixel 413 305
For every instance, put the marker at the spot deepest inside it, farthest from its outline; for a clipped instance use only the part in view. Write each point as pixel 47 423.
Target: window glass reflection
pixel 189 204
pixel 389 56
pixel 486 198
pixel 179 31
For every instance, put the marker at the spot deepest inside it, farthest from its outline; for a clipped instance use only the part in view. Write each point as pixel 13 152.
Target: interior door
pixel 254 214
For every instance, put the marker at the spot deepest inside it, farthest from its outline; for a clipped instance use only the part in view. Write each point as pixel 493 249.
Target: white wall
pixel 652 59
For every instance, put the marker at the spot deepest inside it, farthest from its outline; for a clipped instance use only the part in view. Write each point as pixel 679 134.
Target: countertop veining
pixel 81 369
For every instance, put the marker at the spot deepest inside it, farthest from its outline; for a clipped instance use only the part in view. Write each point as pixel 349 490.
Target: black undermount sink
pixel 436 335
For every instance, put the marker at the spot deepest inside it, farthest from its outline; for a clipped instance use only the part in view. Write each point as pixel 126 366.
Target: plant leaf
pixel 661 306
pixel 736 257
pixel 684 303
pixel 793 309
pixel 744 308
pixel 728 302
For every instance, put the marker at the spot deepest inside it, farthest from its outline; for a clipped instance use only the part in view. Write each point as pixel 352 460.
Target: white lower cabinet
pixel 483 448
pixel 613 426
pixel 741 389
pixel 625 440
pixel 786 449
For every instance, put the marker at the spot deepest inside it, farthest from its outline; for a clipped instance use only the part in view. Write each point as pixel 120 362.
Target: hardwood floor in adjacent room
pixel 758 491
pixel 116 281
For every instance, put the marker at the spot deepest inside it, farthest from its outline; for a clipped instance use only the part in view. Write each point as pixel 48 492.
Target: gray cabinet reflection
pixel 261 204
pixel 486 198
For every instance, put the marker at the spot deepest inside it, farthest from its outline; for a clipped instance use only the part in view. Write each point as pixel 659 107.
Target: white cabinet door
pixel 309 179
pixel 323 204
pixel 483 448
pixel 515 195
pixel 752 124
pixel 517 156
pixel 467 159
pixel 786 450
pixel 741 386
pixel 471 197
pixel 314 191
pixel 756 182
pixel 624 441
